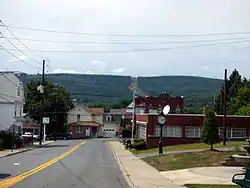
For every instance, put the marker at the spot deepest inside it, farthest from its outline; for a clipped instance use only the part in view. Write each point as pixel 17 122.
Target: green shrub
pixel 139 140
pixel 6 138
pixel 139 145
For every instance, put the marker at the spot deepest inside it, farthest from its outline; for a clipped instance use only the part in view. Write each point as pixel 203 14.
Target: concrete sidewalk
pixel 189 151
pixel 8 152
pixel 203 175
pixel 138 173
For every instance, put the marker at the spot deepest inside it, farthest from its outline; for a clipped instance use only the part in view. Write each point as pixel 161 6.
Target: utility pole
pixel 42 104
pixel 224 108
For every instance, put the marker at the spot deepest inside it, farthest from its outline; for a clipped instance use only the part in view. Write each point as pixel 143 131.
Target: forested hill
pixel 112 89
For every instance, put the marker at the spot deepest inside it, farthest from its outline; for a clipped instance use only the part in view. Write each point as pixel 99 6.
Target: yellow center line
pixel 13 180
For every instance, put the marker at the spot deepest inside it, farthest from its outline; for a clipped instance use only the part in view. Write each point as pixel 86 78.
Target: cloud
pixel 205 67
pixel 21 57
pixel 89 72
pixel 119 70
pixel 99 63
pixel 96 16
pixel 64 71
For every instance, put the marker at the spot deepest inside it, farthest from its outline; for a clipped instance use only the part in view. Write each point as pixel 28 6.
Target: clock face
pixel 161 120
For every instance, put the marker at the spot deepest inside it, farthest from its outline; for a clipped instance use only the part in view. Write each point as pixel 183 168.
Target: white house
pixel 85 122
pixel 11 101
pixel 112 122
pixel 130 108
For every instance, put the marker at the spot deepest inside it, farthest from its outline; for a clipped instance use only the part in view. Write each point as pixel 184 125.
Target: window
pixel 15 111
pixel 78 129
pixel 193 132
pixel 238 133
pixel 233 132
pixel 18 91
pixel 21 109
pixel 78 117
pixel 221 131
pixel 142 132
pixel 109 118
pixel 168 131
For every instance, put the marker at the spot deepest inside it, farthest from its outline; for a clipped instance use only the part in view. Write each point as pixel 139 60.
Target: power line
pixel 127 35
pixel 20 40
pixel 5 99
pixel 10 80
pixel 9 52
pixel 19 49
pixel 136 50
pixel 119 42
pixel 8 95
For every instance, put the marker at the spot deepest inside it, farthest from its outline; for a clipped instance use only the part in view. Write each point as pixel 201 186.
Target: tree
pixel 209 129
pixel 242 99
pixel 232 85
pixel 57 103
pixel 244 111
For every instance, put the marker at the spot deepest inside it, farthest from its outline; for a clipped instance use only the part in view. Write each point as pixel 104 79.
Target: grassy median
pixel 211 186
pixel 191 147
pixel 188 160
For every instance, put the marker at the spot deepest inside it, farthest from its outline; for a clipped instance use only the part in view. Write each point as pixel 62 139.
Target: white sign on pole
pixel 46 120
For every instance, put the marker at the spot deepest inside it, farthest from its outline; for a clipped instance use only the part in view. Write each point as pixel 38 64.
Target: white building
pixel 112 122
pixel 11 101
pixel 85 122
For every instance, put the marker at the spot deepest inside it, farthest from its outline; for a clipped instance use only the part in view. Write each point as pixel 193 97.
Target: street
pixel 90 165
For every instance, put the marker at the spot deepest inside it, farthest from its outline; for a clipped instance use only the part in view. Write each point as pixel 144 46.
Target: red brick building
pixel 186 128
pixel 155 104
pixel 152 105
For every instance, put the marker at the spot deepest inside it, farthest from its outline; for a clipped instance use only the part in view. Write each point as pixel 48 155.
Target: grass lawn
pixel 191 147
pixel 188 160
pixel 211 186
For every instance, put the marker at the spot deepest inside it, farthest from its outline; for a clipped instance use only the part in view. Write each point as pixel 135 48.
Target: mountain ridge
pixel 96 88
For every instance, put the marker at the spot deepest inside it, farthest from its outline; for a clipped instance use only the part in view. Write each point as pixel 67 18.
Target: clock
pixel 161 119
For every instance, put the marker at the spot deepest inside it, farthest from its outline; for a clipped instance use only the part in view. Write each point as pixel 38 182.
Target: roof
pixel 117 111
pixel 86 123
pixel 96 110
pixel 29 125
pixel 90 110
pixel 128 115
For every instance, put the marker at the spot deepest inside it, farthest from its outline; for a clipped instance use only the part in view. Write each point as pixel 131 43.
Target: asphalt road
pixel 90 166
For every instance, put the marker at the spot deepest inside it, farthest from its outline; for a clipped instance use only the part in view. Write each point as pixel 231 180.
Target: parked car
pixel 64 136
pixel 29 135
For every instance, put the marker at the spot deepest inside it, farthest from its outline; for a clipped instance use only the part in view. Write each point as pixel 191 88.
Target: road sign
pixel 46 120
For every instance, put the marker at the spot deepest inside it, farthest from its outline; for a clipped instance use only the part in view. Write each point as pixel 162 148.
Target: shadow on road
pixel 3 176
pixel 56 146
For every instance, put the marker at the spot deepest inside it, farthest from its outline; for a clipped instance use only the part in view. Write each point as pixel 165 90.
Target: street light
pixel 161 121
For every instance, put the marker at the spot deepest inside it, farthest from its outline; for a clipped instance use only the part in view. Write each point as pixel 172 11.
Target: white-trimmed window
pixel 78 117
pixel 18 91
pixel 142 130
pixel 193 132
pixel 221 132
pixel 168 131
pixel 78 129
pixel 233 132
pixel 108 118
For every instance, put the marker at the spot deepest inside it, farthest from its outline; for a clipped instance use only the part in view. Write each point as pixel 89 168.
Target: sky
pixel 183 37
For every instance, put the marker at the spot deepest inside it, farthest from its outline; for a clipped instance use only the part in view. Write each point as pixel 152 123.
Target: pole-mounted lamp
pixel 161 119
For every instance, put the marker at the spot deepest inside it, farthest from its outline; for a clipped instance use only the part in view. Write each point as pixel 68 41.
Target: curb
pixel 25 150
pixel 123 169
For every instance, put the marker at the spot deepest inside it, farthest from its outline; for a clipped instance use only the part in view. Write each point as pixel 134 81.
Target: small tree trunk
pixel 211 147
